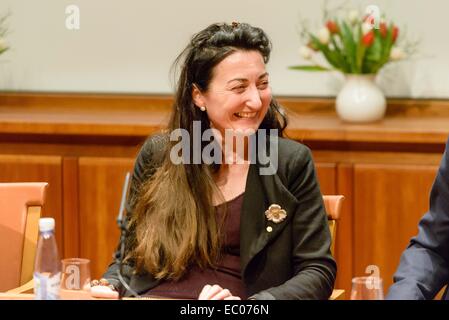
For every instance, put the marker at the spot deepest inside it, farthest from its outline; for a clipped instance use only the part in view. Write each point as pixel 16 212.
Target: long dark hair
pixel 174 218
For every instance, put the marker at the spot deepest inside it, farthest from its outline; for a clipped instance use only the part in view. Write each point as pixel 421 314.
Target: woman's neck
pixel 231 181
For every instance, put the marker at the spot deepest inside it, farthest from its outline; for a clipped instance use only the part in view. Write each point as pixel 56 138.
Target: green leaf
pixel 309 68
pixel 369 67
pixel 360 51
pixel 328 54
pixel 387 44
pixel 340 55
pixel 373 55
pixel 349 46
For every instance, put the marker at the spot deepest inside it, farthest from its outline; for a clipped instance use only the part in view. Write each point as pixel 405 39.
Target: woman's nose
pixel 253 99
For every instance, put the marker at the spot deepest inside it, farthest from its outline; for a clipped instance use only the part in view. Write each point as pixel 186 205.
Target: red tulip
pixel 368 39
pixel 332 27
pixel 383 29
pixel 395 33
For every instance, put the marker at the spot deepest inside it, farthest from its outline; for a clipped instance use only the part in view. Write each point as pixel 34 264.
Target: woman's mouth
pixel 245 114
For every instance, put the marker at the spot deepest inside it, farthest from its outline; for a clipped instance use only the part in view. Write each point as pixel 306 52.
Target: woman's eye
pixel 242 88
pixel 239 88
pixel 263 85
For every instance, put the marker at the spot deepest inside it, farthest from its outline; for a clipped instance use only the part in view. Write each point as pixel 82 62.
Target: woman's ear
pixel 198 97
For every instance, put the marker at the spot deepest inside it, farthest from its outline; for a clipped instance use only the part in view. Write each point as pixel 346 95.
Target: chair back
pixel 20 210
pixel 333 205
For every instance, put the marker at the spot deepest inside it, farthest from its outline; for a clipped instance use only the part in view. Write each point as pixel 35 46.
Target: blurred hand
pixel 216 292
pixel 103 289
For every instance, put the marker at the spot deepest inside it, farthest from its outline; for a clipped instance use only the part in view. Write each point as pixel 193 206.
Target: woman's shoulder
pixel 292 146
pixel 293 157
pixel 292 150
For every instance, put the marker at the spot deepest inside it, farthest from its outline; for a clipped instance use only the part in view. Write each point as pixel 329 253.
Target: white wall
pixel 128 46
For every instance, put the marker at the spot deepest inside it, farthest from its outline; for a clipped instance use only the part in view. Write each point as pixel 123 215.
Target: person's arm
pixel 315 269
pixel 424 265
pixel 147 161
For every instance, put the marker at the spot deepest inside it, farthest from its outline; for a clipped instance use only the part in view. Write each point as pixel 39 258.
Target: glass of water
pixel 367 288
pixel 75 279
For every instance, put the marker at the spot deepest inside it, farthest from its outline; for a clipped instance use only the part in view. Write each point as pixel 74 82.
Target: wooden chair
pixel 333 208
pixel 20 210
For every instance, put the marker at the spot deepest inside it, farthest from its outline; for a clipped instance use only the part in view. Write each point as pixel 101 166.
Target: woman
pixel 226 229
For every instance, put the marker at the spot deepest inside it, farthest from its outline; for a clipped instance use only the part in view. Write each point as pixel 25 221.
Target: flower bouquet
pixel 358 46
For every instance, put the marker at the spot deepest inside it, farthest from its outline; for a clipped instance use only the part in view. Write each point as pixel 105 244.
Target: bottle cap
pixel 46 224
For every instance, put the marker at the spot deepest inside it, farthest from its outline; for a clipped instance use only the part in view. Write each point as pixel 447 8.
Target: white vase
pixel 360 99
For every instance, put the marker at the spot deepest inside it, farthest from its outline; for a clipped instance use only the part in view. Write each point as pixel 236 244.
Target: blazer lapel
pixel 252 217
pixel 262 191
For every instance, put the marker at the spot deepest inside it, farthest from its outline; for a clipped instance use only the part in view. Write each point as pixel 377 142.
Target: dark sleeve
pixel 424 265
pixel 314 267
pixel 147 161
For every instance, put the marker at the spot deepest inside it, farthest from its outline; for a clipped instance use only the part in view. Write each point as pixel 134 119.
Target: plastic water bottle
pixel 47 266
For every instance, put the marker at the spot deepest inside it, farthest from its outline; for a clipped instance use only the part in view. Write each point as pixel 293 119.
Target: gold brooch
pixel 275 213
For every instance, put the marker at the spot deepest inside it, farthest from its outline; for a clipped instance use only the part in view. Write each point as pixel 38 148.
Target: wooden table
pixel 336 295
pixel 65 295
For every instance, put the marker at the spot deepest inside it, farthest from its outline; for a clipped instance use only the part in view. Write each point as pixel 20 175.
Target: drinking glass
pixel 75 279
pixel 367 288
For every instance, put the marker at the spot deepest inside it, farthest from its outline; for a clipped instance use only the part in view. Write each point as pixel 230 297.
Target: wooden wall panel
pixel 389 201
pixel 30 168
pixel 100 190
pixel 344 250
pixel 327 177
pixel 337 179
pixel 71 207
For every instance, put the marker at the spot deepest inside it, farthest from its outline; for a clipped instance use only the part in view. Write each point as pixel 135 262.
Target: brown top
pixel 227 273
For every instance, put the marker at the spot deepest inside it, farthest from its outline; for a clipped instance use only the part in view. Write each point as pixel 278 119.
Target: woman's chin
pixel 246 125
pixel 244 130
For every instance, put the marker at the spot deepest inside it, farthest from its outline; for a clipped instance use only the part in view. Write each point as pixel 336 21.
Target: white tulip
pixel 353 16
pixel 3 44
pixel 366 27
pixel 305 52
pixel 324 35
pixel 397 54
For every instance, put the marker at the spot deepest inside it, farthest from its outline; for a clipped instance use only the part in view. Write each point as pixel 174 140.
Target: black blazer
pixel 424 266
pixel 293 261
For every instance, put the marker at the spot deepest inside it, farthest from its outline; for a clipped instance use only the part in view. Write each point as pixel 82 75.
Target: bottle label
pixel 46 286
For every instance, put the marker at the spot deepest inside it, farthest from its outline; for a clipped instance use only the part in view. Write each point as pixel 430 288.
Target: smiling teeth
pixel 245 114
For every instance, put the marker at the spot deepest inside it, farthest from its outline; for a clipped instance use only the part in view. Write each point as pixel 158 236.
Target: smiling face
pixel 238 95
